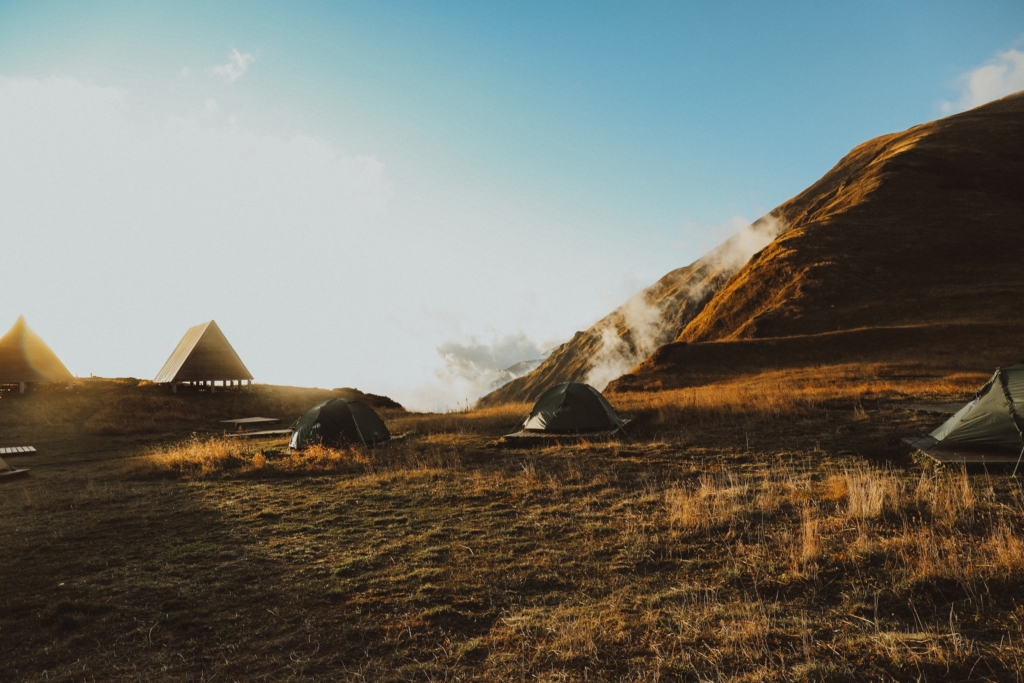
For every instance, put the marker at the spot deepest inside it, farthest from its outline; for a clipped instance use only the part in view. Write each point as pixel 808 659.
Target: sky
pixel 406 196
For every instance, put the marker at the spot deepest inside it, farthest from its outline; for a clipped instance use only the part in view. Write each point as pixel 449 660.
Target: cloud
pixel 238 64
pixel 1000 76
pixel 480 365
pixel 145 214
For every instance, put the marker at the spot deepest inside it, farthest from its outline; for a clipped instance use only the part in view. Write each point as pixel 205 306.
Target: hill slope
pixel 912 242
pixel 651 318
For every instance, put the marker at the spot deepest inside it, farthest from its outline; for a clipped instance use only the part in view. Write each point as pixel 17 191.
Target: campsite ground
pixel 764 529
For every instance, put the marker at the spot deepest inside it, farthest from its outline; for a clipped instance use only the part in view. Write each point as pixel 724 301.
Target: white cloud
pixel 321 265
pixel 474 368
pixel 1001 76
pixel 237 66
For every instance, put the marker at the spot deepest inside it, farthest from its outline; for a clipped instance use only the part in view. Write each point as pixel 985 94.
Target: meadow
pixel 768 528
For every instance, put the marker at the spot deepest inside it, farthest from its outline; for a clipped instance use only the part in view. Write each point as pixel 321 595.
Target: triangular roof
pixel 25 357
pixel 203 354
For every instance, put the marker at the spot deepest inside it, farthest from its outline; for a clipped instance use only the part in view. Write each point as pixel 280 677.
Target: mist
pixel 639 327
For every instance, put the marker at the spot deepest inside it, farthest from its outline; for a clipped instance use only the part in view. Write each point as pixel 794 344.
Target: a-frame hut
pixel 204 357
pixel 26 359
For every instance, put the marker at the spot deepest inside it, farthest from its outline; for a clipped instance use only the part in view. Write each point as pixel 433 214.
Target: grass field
pixel 769 529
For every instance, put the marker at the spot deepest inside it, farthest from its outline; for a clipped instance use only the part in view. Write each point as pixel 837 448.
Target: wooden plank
pixel 9 450
pixel 267 432
pixel 968 454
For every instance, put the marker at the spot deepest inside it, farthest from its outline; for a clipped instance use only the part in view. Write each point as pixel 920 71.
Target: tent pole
pixel 1018 462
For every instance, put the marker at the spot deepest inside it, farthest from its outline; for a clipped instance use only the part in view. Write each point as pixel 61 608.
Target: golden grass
pixel 793 393
pixel 200 458
pixel 679 553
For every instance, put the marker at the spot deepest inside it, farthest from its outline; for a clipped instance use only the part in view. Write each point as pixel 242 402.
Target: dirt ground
pixel 788 541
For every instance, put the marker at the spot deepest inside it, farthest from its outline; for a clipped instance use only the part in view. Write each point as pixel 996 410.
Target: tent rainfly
pixel 26 359
pixel 988 429
pixel 339 421
pixel 203 356
pixel 572 408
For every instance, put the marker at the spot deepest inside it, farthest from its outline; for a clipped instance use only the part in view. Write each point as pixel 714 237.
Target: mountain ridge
pixel 917 230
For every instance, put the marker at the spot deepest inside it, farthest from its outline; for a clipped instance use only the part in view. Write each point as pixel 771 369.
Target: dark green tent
pixel 987 429
pixel 572 408
pixel 338 421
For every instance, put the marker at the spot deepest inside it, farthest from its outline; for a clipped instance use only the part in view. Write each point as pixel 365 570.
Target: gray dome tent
pixel 987 429
pixel 572 408
pixel 338 421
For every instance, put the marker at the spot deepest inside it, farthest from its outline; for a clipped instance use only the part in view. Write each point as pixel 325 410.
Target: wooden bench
pixel 11 450
pixel 244 423
pixel 265 432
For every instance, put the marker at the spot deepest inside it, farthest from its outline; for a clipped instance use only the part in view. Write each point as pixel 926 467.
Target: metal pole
pixel 1018 462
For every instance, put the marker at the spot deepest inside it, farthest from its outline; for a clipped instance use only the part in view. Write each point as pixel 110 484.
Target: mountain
pixel 651 318
pixel 908 250
pixel 515 370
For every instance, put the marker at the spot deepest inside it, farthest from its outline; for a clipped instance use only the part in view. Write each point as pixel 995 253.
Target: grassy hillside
pixel 910 231
pixel 906 250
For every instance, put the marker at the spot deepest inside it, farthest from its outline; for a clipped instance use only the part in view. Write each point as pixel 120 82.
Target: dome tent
pixel 338 421
pixel 572 408
pixel 988 428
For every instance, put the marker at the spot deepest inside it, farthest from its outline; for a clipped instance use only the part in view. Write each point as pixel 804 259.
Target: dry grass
pixel 794 393
pixel 755 548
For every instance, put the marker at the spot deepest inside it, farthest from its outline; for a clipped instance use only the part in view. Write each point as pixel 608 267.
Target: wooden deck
pixel 964 454
pixel 540 439
pixel 262 433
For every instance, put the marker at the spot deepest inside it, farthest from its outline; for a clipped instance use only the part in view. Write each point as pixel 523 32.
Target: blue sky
pixel 490 175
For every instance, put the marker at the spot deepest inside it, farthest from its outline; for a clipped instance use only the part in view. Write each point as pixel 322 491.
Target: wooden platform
pixel 12 450
pixel 7 472
pixel 265 432
pixel 241 421
pixel 540 439
pixel 957 454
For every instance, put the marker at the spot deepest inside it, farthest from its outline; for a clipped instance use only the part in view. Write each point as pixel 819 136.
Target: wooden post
pixel 174 387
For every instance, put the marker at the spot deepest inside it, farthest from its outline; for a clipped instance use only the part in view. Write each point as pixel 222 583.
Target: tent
pixel 339 421
pixel 8 471
pixel 987 429
pixel 25 358
pixel 203 355
pixel 572 408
